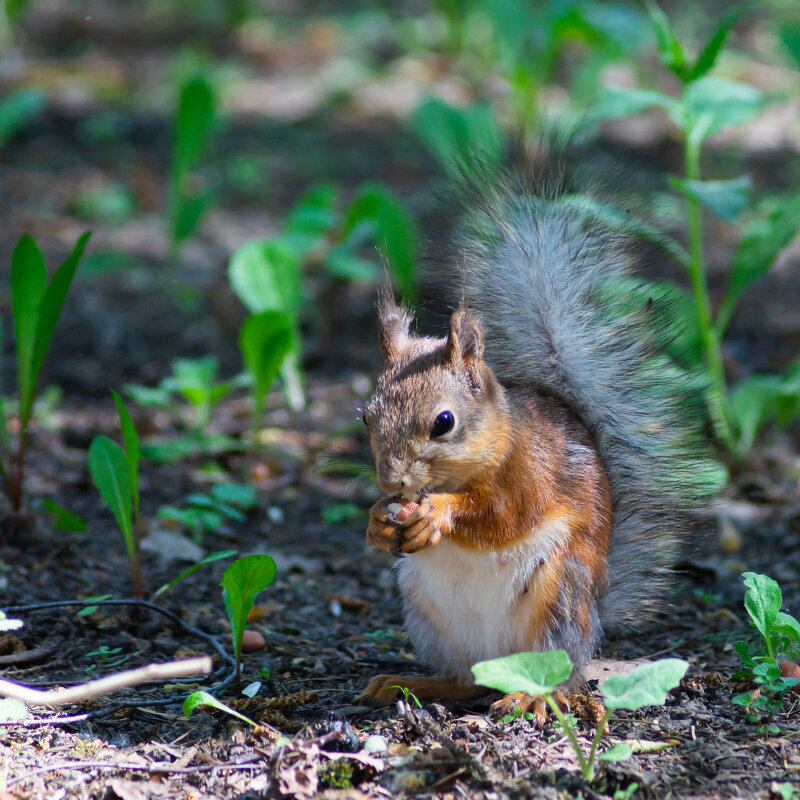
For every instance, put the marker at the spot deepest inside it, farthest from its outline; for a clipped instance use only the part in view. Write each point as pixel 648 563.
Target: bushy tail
pixel 553 287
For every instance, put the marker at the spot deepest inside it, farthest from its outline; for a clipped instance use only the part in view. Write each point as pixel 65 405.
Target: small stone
pixel 375 744
pixel 252 642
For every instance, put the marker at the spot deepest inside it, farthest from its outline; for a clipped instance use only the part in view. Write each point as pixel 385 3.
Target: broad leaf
pixel 713 104
pixel 108 466
pixel 670 50
pixel 28 285
pixel 645 686
pixel 725 198
pixel 392 230
pixel 762 601
pixel 198 699
pixel 241 583
pixel 752 402
pixel 708 56
pixel 787 625
pixel 18 108
pixel 761 241
pixel 790 36
pixel 621 751
pixel 616 101
pixel 265 340
pixel 235 494
pixel 534 673
pixel 130 438
pixel 63 519
pixel 192 126
pixel 49 311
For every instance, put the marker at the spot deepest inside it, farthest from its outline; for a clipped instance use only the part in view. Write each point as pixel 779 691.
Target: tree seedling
pixel 36 306
pixel 541 673
pixel 115 472
pixel 780 642
pixel 241 583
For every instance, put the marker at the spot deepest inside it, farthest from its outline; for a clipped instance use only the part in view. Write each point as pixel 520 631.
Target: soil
pixel 332 618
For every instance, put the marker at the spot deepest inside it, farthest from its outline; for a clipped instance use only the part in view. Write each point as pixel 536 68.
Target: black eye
pixel 442 424
pixel 364 418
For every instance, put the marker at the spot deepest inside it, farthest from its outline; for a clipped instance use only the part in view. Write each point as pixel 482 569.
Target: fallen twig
pixel 122 680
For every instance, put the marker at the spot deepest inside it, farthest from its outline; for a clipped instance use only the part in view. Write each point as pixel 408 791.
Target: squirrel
pixel 540 460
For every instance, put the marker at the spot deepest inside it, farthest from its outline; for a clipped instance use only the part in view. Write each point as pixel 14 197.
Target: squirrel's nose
pixel 391 480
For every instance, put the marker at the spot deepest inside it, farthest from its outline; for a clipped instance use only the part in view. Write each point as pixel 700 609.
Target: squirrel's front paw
pixel 422 528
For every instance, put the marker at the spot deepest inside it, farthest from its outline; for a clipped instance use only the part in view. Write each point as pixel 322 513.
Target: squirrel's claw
pixel 524 703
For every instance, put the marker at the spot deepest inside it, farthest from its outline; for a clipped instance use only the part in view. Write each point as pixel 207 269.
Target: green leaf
pixel 455 135
pixel 220 555
pixel 241 583
pixel 617 101
pixel 645 686
pixel 725 198
pixel 790 36
pixel 752 402
pixel 196 106
pixel 197 699
pixel 787 625
pixel 265 340
pixel 621 751
pixel 28 285
pixel 534 673
pixel 235 494
pixel 670 50
pixel 762 601
pixel 63 519
pixel 108 466
pixel 17 109
pixel 762 239
pixel 130 438
pixel 392 230
pixel 52 302
pixel 186 214
pixel 713 104
pixel 708 57
pixel 12 710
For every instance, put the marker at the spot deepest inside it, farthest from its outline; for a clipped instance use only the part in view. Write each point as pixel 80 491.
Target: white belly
pixel 462 606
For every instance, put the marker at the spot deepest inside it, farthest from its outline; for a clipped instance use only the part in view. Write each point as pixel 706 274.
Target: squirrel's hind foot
pixel 384 689
pixel 582 704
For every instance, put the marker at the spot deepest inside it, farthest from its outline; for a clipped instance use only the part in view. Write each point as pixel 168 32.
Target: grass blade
pixel 108 466
pixel 130 438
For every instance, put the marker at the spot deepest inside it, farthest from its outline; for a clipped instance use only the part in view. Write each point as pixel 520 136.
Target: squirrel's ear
pixel 464 342
pixel 394 323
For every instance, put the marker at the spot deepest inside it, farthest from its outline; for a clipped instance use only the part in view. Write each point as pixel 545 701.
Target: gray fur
pixel 533 266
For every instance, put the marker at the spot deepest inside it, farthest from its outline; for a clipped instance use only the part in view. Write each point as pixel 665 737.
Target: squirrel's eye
pixel 443 424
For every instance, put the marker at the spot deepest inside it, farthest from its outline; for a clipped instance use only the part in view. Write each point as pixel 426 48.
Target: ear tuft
pixel 464 347
pixel 394 323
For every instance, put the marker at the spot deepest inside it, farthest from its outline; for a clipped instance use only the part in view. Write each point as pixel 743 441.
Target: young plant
pixel 208 512
pixel 36 306
pixel 266 274
pixel 193 123
pixel 265 340
pixel 115 472
pixel 540 674
pixel 780 643
pixel 220 555
pixel 241 583
pixel 198 699
pixel 706 106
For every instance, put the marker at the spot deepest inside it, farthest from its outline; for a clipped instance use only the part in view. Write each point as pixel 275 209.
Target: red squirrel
pixel 539 460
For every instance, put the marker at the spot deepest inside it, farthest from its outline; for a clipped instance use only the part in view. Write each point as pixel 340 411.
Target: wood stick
pixel 122 680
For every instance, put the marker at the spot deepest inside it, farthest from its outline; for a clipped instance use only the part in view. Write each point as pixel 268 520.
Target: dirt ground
pixel 332 618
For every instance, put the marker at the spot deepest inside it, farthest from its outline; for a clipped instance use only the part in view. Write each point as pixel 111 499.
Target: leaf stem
pixel 596 741
pixel 718 393
pixel 585 768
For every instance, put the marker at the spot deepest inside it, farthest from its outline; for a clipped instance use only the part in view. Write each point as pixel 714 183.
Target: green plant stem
pixel 596 741
pixel 16 487
pixel 718 394
pixel 585 767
